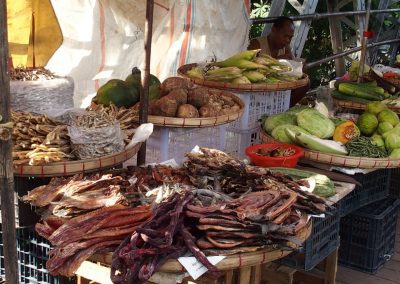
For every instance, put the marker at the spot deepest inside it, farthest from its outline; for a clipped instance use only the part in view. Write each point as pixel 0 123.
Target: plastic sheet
pixel 88 143
pixel 41 96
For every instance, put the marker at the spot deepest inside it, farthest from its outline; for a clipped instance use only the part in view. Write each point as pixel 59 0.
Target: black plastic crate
pixel 368 236
pixel 394 186
pixel 375 186
pixel 323 240
pixel 32 252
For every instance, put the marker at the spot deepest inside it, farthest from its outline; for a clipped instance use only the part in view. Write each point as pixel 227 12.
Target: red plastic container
pixel 263 161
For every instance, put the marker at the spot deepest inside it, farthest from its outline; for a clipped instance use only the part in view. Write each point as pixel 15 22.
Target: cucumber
pixel 340 96
pixel 324 187
pixel 361 92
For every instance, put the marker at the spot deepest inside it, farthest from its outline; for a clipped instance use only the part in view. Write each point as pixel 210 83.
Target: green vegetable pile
pixel 363 147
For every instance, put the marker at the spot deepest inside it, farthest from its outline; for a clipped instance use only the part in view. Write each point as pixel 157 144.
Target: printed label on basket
pixel 194 267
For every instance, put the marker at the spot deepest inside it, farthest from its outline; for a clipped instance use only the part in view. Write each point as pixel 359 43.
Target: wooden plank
pixel 244 275
pixel 347 275
pixel 331 268
pixel 6 162
pixel 95 272
pixel 256 274
pixel 277 274
pixel 229 277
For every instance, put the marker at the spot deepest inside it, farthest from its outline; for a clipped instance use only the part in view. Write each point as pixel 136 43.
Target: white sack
pixel 104 39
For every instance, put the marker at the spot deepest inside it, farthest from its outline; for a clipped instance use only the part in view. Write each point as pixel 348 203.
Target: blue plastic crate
pixel 368 236
pixel 375 186
pixel 32 251
pixel 323 240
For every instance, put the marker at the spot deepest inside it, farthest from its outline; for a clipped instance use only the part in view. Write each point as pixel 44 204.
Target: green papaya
pixel 117 92
pixel 134 79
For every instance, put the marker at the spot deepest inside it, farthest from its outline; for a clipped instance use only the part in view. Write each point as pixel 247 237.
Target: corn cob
pixel 196 72
pixel 231 61
pixel 241 80
pixel 223 74
pixel 254 76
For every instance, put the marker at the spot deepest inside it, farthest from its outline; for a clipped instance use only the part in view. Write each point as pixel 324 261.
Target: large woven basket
pixel 356 105
pixel 201 121
pixel 68 168
pixel 230 262
pixel 339 160
pixel 182 71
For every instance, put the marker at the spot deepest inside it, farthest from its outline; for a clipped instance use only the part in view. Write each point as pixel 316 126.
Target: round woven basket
pixel 230 262
pixel 68 168
pixel 201 121
pixel 182 71
pixel 340 160
pixel 356 105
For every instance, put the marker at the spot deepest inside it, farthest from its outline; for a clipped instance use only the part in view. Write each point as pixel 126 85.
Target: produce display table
pixel 249 266
pixel 244 263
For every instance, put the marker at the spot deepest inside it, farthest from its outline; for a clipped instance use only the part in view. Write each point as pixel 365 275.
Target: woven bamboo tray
pixel 355 105
pixel 230 262
pixel 68 168
pixel 244 87
pixel 202 121
pixel 340 160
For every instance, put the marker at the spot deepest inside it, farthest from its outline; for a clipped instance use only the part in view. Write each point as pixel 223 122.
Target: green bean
pixel 363 147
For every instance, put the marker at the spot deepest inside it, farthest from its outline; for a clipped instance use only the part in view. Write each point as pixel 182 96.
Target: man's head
pixel 282 32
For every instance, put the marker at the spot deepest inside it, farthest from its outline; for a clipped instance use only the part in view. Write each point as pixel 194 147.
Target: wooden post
pixel 6 162
pixel 144 92
pixel 336 37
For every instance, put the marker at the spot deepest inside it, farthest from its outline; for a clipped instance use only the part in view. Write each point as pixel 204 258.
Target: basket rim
pixel 244 87
pixel 67 168
pixel 201 121
pixel 357 105
pixel 340 160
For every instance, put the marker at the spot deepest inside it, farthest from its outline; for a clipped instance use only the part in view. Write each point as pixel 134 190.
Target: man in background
pixel 277 42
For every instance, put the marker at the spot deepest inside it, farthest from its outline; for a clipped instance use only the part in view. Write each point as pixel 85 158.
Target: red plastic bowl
pixel 262 161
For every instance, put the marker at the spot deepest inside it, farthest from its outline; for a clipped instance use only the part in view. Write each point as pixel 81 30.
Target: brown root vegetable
pixel 228 100
pixel 226 109
pixel 164 107
pixel 198 97
pixel 136 107
pixel 172 83
pixel 187 111
pixel 208 111
pixel 179 95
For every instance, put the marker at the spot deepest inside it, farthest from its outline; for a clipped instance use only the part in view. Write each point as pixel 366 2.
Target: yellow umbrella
pixel 33 32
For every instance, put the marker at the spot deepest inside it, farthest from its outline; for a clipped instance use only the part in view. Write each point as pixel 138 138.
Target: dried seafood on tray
pixel 68 197
pixel 95 134
pixel 38 139
pixel 78 238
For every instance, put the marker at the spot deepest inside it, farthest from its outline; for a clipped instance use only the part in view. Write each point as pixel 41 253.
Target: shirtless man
pixel 277 43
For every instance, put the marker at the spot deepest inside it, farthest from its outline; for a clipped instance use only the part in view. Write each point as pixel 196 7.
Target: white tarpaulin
pixel 104 39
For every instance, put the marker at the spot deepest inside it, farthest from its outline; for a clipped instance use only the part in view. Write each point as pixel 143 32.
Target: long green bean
pixel 363 147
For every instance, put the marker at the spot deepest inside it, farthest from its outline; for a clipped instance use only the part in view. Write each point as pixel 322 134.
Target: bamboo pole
pixel 349 51
pixel 317 16
pixel 144 92
pixel 6 165
pixel 364 44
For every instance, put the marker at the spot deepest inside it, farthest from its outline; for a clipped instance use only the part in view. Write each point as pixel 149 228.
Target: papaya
pixel 134 80
pixel 345 131
pixel 117 92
